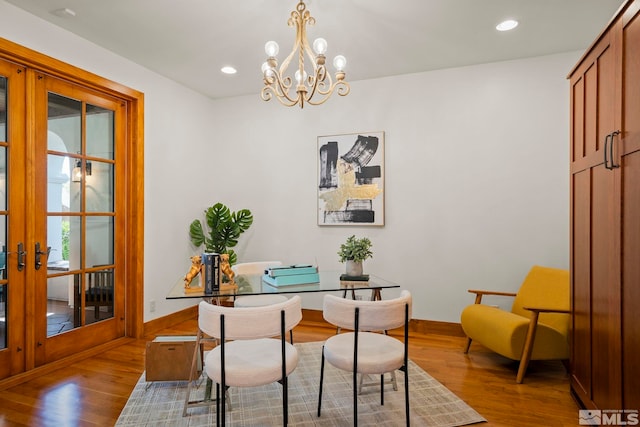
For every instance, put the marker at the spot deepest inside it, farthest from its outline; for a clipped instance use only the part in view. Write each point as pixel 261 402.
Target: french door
pixel 76 253
pixel 12 220
pixel 63 218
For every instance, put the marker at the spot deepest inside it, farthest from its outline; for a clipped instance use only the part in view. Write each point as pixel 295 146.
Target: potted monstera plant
pixel 353 251
pixel 225 227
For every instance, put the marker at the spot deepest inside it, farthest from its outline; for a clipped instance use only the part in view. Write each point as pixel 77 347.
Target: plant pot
pixel 354 268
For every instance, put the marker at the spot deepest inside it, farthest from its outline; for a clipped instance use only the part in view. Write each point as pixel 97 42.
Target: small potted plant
pixel 353 252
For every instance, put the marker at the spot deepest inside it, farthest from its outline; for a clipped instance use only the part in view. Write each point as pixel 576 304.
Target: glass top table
pixel 252 284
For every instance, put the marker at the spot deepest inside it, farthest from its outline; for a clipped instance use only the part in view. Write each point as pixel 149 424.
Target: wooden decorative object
pixel 228 288
pixel 193 289
pixel 225 268
pixel 196 267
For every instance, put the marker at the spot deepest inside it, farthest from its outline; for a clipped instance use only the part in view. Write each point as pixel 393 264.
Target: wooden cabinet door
pixel 605 230
pixel 630 170
pixel 595 238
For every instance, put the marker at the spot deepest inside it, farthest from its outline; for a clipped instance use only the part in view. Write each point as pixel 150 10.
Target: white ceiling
pixel 190 40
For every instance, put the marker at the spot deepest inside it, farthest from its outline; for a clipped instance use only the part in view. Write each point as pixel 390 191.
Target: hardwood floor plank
pixel 92 392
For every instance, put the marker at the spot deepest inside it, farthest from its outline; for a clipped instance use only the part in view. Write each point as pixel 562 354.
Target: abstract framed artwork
pixel 351 179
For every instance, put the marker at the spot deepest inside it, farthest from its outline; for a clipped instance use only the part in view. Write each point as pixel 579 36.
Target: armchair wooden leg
pixel 466 347
pixel 528 347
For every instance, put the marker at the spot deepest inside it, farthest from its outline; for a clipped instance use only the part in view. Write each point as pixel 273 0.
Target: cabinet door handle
pixel 606 161
pixel 613 135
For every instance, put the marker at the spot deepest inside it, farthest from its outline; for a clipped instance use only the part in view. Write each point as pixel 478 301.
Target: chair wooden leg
pixel 528 347
pixel 466 347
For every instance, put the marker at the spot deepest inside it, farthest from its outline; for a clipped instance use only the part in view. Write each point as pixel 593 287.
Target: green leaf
pixel 232 256
pixel 243 218
pixel 217 215
pixel 228 235
pixel 196 233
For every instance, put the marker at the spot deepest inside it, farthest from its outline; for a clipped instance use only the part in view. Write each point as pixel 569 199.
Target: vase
pixel 354 268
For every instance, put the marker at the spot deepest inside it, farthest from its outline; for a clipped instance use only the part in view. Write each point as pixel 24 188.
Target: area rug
pixel 432 404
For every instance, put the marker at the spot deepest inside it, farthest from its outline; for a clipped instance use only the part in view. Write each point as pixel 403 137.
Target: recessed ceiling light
pixel 64 12
pixel 507 25
pixel 228 70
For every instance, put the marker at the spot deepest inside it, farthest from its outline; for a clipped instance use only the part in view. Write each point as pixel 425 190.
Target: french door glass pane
pixel 3 180
pixel 3 108
pixel 3 247
pixel 63 192
pixel 99 132
pixel 100 189
pixel 98 295
pixel 64 124
pixel 63 237
pixel 60 304
pixel 99 241
pixel 71 241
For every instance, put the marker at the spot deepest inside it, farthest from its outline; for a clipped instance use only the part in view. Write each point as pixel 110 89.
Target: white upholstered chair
pixel 365 351
pixel 247 355
pixel 258 300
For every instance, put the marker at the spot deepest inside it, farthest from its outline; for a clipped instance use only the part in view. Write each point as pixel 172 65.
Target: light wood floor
pixel 93 392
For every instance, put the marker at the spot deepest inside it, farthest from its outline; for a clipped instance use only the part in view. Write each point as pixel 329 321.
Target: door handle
pixel 39 253
pixel 613 135
pixel 606 161
pixel 21 255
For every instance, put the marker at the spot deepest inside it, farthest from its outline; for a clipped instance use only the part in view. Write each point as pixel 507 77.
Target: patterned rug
pixel 432 404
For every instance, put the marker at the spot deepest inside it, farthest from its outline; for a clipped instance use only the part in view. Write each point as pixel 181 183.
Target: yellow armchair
pixel 536 328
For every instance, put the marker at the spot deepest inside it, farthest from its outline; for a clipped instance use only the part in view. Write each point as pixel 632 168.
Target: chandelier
pixel 313 87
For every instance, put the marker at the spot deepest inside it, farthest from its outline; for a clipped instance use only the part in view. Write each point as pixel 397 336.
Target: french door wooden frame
pixel 35 64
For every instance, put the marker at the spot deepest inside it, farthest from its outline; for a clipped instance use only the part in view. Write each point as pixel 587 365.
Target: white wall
pixel 476 171
pixel 476 177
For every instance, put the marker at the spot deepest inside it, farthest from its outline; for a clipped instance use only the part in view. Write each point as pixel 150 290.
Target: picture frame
pixel 351 179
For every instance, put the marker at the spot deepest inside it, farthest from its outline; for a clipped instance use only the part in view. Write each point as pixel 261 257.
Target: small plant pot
pixel 354 268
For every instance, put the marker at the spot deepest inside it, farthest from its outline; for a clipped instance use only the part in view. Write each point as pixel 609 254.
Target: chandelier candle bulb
pixel 340 62
pixel 272 49
pixel 320 46
pixel 300 79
